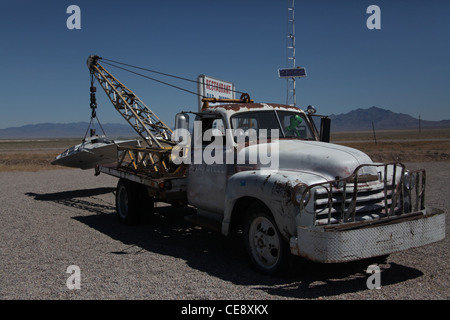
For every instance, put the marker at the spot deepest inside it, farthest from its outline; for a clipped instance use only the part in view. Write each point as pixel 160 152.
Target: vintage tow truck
pixel 265 170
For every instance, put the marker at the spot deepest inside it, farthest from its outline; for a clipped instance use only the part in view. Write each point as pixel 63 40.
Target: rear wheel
pixel 265 246
pixel 127 201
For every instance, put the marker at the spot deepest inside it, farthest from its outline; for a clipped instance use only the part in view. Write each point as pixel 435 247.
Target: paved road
pixel 51 220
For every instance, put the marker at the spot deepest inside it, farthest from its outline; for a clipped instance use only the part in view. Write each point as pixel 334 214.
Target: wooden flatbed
pixel 166 189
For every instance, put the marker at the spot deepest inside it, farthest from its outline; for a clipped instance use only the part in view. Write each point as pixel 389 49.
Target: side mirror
pixel 311 110
pixel 181 126
pixel 325 127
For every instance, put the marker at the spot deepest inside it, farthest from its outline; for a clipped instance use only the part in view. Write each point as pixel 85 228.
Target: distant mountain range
pixel 356 120
pixel 65 130
pixel 382 119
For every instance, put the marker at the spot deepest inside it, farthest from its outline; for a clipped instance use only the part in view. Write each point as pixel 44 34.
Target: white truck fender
pixel 273 188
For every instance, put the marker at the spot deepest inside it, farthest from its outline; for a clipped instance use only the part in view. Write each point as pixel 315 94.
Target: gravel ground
pixel 51 220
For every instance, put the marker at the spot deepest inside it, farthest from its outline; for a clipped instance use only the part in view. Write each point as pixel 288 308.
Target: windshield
pixel 288 123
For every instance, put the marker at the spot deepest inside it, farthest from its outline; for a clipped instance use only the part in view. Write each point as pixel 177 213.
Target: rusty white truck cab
pixel 263 169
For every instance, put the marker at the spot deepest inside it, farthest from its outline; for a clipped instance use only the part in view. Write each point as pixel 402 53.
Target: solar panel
pixel 292 73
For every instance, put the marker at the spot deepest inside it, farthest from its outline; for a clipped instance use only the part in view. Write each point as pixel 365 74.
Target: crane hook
pixel 93 103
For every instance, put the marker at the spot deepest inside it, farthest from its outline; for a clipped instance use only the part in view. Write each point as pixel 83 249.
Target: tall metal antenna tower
pixel 290 54
pixel 291 72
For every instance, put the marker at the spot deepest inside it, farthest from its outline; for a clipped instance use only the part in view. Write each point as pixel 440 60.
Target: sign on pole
pixel 209 87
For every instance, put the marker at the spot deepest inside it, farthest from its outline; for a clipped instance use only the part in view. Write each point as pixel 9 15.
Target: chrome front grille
pixel 364 197
pixel 370 202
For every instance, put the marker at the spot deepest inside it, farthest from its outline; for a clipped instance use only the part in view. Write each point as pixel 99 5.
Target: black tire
pixel 268 251
pixel 127 202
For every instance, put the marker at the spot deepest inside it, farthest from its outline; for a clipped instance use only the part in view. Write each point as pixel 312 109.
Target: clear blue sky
pixel 404 67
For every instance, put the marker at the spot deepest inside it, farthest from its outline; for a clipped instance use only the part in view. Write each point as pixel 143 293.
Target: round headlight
pixel 299 196
pixel 409 180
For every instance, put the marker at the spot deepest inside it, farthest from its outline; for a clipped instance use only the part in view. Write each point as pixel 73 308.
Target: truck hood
pixel 325 159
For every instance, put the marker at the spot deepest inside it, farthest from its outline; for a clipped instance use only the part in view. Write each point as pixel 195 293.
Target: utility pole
pixel 420 125
pixel 374 135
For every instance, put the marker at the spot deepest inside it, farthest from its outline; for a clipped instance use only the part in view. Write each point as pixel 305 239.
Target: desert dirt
pixel 430 145
pixel 53 219
pixel 32 155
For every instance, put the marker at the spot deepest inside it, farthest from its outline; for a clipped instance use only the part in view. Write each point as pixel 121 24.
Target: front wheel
pixel 266 247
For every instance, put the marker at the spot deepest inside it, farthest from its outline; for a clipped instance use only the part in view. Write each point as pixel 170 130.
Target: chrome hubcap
pixel 264 242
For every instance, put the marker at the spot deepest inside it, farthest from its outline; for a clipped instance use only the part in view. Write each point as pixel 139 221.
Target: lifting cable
pixel 110 63
pixel 150 78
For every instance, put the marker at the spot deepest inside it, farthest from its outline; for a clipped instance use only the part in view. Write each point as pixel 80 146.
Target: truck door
pixel 208 171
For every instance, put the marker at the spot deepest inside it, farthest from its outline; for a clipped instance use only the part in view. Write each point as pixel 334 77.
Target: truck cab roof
pixel 241 107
